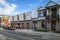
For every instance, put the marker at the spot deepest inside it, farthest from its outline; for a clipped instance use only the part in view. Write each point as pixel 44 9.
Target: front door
pixel 27 25
pixel 53 25
pixel 22 25
pixel 35 27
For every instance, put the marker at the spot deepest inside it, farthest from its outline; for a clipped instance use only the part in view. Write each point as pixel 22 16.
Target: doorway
pixel 53 25
pixel 27 25
pixel 53 15
pixel 22 25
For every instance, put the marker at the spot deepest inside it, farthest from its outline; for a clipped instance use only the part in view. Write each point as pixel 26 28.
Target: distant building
pixel 23 20
pixel 4 20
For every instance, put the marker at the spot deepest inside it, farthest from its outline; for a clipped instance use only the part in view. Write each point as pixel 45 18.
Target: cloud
pixel 8 8
pixel 33 5
pixel 37 4
pixel 16 13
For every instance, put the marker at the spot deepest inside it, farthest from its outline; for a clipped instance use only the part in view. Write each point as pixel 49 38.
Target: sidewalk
pixel 1 28
pixel 29 31
pixel 45 35
pixel 2 37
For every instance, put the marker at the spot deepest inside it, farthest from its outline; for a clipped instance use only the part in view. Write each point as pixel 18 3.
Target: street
pixel 12 35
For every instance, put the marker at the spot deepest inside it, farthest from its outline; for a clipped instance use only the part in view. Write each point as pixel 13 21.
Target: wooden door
pixel 53 25
pixel 28 25
pixel 22 25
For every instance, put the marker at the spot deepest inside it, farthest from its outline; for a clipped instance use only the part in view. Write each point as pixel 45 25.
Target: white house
pixel 15 18
pixel 21 17
pixel 34 13
pixel 39 19
pixel 53 18
pixel 11 18
pixel 28 15
pixel 28 22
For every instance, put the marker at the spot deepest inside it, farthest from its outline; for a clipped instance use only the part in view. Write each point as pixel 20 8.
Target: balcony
pixel 53 17
pixel 41 18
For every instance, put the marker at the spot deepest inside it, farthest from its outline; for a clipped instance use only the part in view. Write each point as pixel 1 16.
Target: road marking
pixel 19 36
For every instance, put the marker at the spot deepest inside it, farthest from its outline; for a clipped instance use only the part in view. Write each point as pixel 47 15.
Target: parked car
pixel 9 28
pixel 12 28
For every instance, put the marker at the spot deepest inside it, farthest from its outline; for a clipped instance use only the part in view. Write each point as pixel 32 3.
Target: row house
pixel 41 18
pixel 47 18
pixel 23 20
pixel 15 19
pixel 28 22
pixel 34 18
pixel 53 16
pixel 11 19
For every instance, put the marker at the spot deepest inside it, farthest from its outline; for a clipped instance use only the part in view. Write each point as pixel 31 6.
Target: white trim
pixel 42 18
pixel 47 11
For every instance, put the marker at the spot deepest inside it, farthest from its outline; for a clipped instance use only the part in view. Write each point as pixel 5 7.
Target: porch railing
pixel 52 17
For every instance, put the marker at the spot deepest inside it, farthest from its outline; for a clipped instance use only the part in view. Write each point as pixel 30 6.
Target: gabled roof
pixel 41 8
pixel 51 3
pixel 58 3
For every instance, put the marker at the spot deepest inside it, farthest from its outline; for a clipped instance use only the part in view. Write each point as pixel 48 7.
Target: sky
pixel 12 7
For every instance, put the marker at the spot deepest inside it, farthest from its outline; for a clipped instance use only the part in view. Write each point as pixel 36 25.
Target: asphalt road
pixel 12 35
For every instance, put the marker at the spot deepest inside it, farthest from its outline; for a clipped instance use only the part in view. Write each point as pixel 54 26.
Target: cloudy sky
pixel 11 7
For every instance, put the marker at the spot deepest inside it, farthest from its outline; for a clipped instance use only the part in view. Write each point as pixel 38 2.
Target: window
pixel 44 12
pixel 0 20
pixel 18 23
pixel 27 24
pixel 18 17
pixel 13 18
pixel 40 13
pixel 44 24
pixel 54 12
pixel 24 16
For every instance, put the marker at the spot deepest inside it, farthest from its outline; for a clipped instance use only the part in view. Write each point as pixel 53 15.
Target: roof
pixel 58 3
pixel 41 8
pixel 51 3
